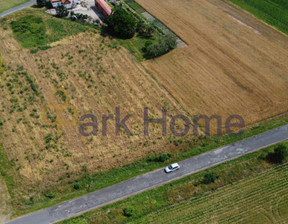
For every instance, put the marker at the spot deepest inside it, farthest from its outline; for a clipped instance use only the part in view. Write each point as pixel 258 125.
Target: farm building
pixel 67 3
pixel 103 7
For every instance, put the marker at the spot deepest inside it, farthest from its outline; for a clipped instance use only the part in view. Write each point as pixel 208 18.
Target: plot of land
pixel 260 199
pixel 98 75
pixel 274 12
pixel 234 64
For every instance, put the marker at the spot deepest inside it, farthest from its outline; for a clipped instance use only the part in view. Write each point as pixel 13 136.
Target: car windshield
pixel 170 167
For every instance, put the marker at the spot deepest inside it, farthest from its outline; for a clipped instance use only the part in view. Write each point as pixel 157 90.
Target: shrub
pixel 30 202
pixel 45 47
pixel 162 46
pixel 279 155
pixel 61 11
pixel 49 194
pixel 41 3
pixel 210 178
pixel 128 211
pixel 48 138
pixel 34 51
pixel 77 186
pixel 159 158
pixel 145 30
pixel 84 168
pixel 147 45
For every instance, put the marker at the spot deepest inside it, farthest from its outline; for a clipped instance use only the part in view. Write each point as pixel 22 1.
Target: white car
pixel 172 167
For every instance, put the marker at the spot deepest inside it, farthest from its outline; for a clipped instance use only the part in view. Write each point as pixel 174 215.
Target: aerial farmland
pixel 91 105
pixel 233 64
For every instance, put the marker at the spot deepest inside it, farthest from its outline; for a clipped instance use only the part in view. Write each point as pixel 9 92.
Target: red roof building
pixel 57 3
pixel 103 7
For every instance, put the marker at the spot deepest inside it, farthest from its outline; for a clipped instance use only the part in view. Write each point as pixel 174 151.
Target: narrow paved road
pixel 17 8
pixel 153 179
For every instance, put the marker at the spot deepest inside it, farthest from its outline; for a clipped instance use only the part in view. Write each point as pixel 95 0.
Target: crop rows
pixel 246 200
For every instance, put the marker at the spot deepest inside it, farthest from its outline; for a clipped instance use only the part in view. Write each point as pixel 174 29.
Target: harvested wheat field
pixel 234 64
pixel 98 75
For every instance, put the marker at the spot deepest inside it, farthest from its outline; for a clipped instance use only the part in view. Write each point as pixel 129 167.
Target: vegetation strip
pixel 273 12
pixel 250 181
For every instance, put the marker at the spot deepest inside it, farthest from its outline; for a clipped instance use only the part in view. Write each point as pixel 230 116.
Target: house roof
pixel 66 2
pixel 104 6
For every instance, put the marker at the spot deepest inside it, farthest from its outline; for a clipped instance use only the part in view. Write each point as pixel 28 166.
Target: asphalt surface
pixel 17 8
pixel 153 179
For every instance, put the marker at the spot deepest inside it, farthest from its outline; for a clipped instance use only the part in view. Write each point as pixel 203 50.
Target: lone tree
pixel 279 155
pixel 121 24
pixel 61 11
pixel 41 3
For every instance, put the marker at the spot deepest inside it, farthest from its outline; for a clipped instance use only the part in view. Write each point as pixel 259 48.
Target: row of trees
pixel 124 25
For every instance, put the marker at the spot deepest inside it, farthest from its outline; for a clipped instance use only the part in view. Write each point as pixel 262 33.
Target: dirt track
pixel 5 207
pixel 234 63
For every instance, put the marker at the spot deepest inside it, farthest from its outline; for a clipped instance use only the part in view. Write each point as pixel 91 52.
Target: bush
pixel 34 51
pixel 279 155
pixel 121 24
pixel 61 11
pixel 145 30
pixel 128 211
pixel 45 47
pixel 210 178
pixel 162 46
pixel 41 3
pixel 77 186
pixel 159 158
pixel 49 195
pixel 78 16
pixel 30 202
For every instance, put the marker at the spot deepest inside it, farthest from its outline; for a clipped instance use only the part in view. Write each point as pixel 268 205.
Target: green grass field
pixel 273 12
pixel 5 5
pixel 248 190
pixel 32 30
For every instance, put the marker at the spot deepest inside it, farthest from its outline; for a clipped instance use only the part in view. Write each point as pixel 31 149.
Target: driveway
pixel 153 179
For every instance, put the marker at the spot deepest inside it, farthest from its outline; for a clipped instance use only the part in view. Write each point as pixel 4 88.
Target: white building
pixel 67 3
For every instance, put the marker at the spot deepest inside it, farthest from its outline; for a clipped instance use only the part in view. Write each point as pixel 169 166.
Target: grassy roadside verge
pixel 6 5
pixel 273 12
pixel 169 195
pixel 67 189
